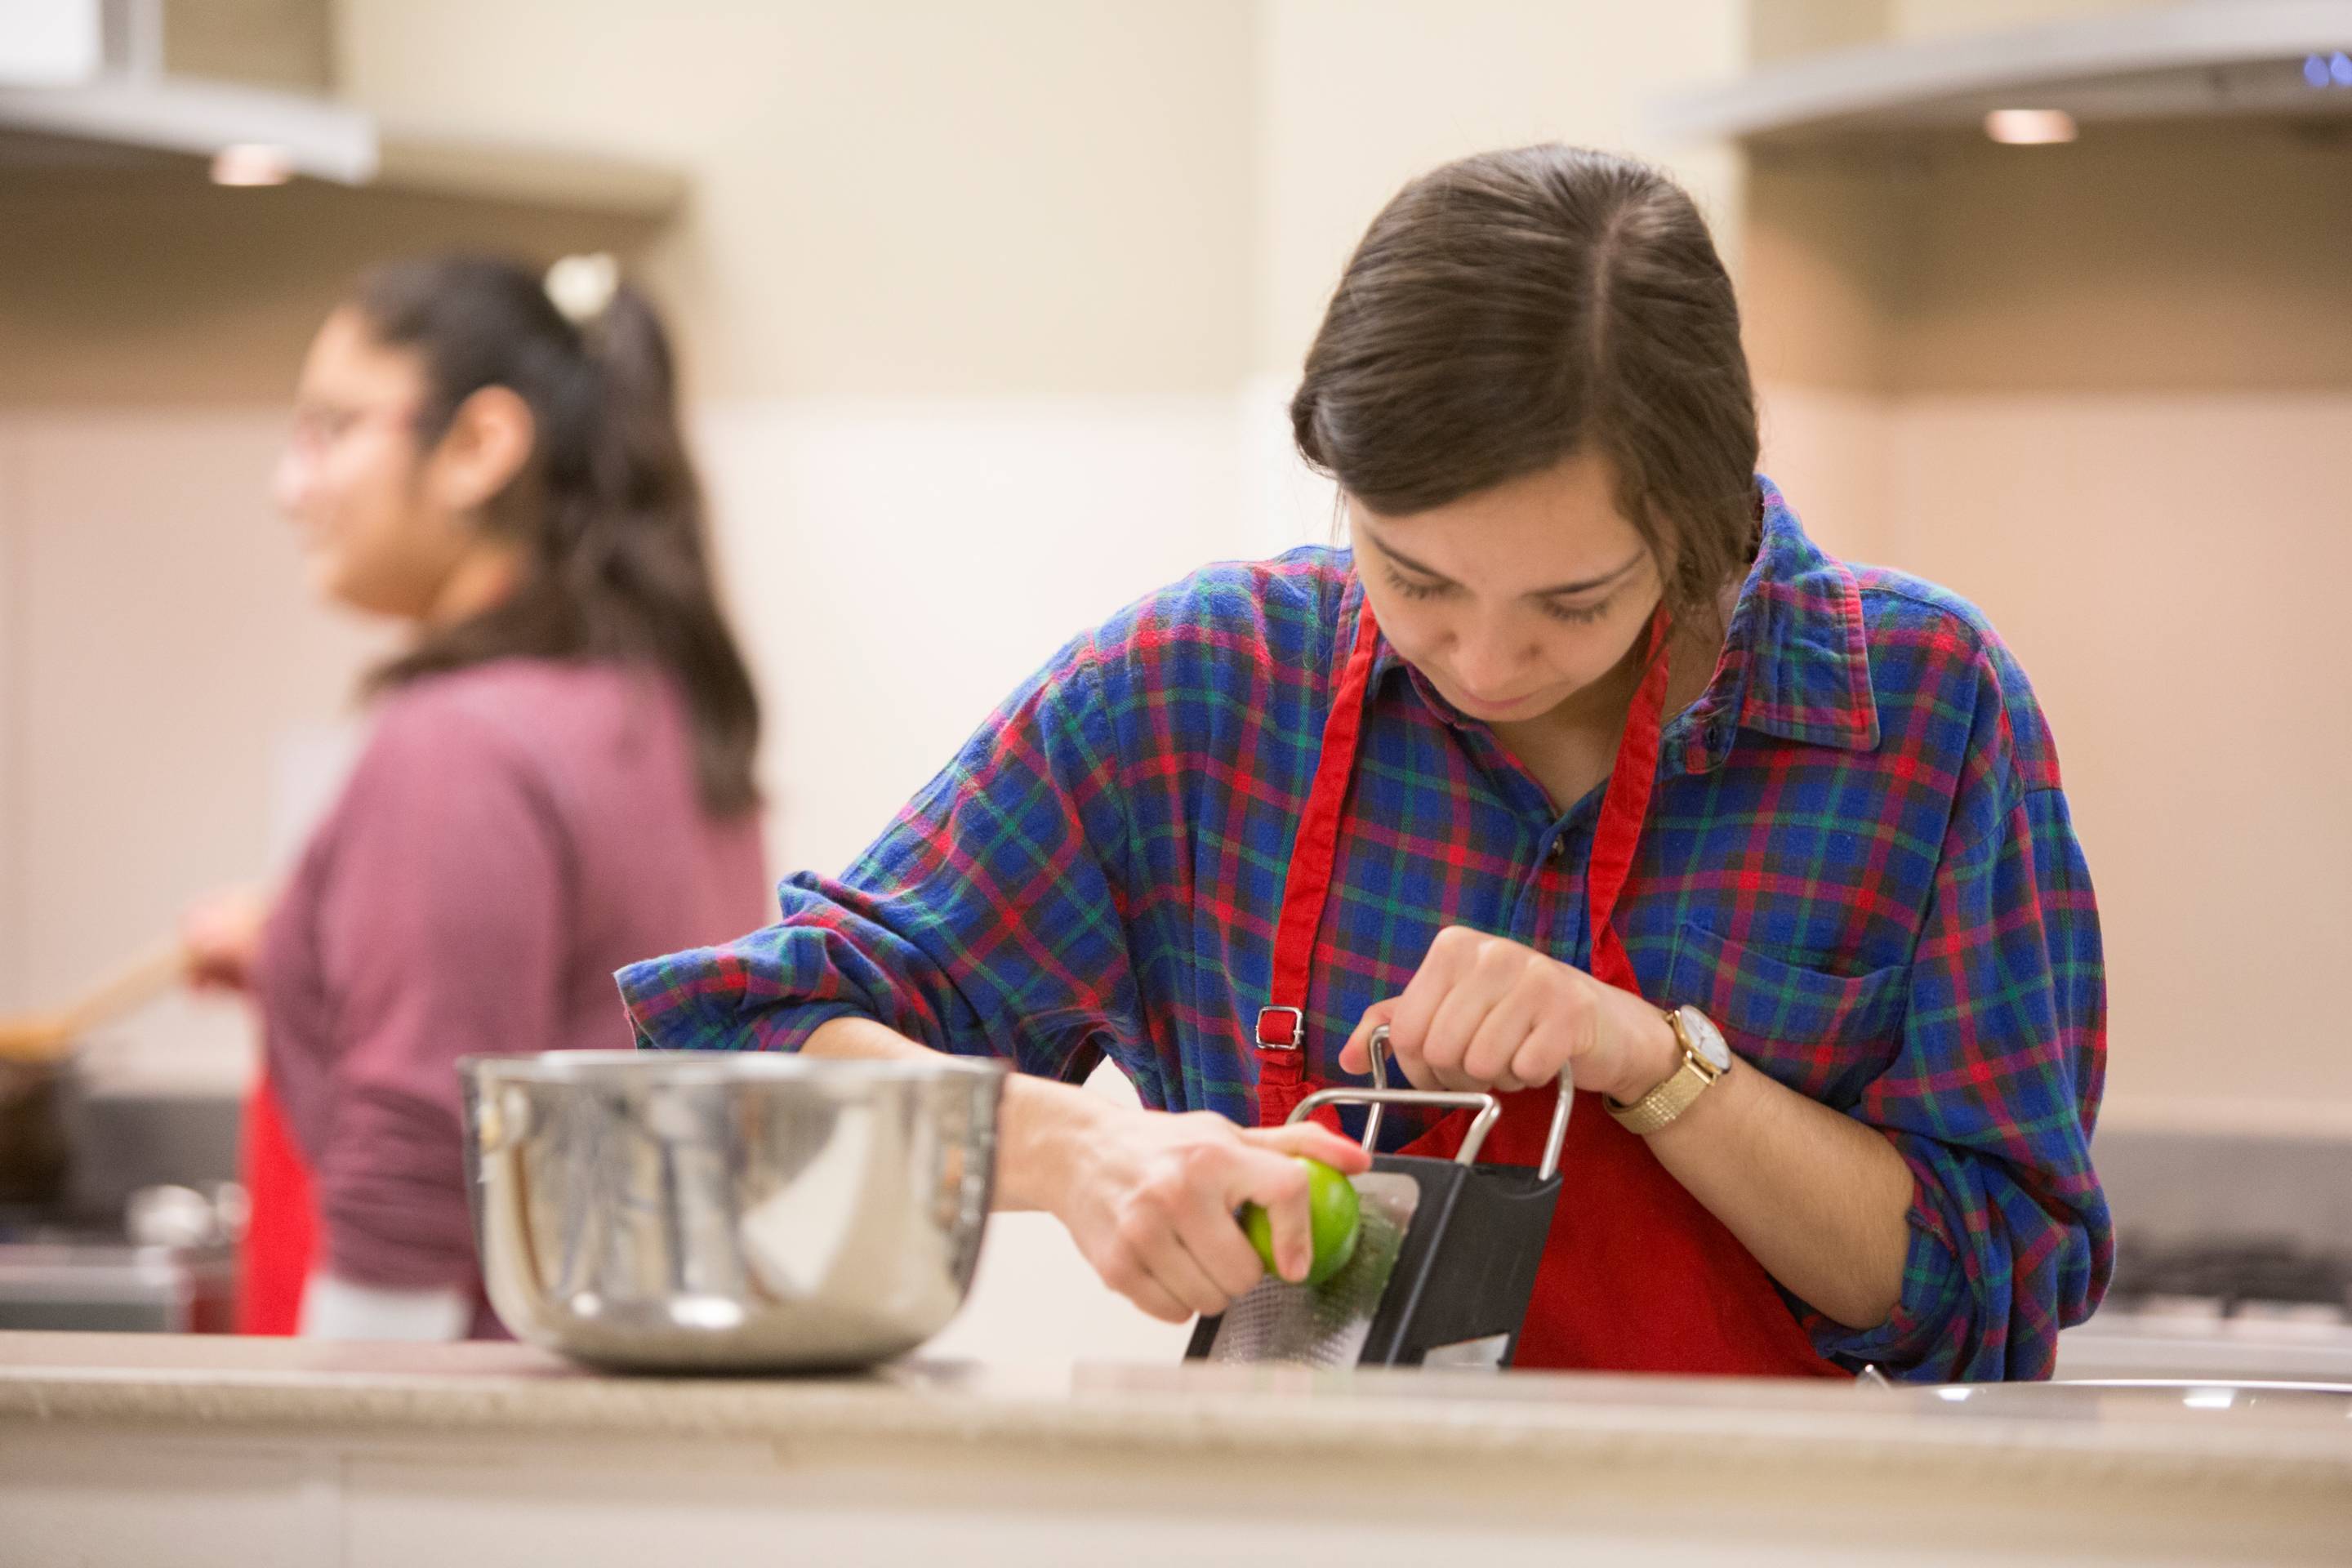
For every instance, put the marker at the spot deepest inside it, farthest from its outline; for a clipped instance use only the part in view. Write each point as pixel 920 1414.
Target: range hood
pixel 2278 59
pixel 87 85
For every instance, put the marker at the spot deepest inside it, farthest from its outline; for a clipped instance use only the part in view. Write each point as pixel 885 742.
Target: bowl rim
pixel 654 1066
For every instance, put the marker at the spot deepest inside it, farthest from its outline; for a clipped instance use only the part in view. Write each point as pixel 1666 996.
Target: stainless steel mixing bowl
pixel 716 1211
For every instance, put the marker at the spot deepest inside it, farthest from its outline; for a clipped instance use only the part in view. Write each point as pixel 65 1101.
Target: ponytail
pixel 608 509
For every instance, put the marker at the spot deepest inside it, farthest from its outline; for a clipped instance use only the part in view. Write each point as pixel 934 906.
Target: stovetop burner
pixel 2236 1276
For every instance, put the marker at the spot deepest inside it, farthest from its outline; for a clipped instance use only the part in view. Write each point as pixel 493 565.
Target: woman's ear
pixel 487 444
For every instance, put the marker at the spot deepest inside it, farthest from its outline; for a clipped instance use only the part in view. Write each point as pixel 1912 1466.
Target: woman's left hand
pixel 1485 1013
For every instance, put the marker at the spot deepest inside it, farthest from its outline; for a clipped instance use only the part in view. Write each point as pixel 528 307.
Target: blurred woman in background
pixel 558 778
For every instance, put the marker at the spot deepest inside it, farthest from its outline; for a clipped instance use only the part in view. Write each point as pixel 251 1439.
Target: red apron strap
pixel 1281 1034
pixel 1624 809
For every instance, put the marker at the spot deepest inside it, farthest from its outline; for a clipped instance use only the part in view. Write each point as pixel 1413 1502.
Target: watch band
pixel 1669 1100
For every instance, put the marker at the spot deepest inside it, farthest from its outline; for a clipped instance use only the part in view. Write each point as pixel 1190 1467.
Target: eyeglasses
pixel 320 426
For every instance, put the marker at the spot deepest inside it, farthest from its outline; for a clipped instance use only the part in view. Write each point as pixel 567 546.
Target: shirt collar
pixel 1796 659
pixel 1795 664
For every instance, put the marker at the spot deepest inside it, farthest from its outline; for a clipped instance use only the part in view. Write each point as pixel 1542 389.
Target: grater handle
pixel 1489 1108
pixel 1378 1048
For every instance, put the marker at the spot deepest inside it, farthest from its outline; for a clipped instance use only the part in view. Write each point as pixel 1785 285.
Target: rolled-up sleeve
pixel 987 920
pixel 1992 1097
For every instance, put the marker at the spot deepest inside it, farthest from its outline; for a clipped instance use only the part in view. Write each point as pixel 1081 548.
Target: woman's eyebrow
pixel 1585 586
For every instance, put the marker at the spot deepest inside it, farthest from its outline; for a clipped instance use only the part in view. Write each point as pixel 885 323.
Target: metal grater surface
pixel 1324 1325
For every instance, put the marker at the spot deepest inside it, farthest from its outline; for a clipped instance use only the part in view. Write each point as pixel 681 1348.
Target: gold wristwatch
pixel 1706 1057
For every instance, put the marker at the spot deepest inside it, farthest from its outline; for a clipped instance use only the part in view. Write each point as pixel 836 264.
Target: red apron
pixel 273 1261
pixel 1637 1276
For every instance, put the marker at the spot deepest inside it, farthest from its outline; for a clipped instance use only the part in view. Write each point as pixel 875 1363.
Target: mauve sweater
pixel 513 834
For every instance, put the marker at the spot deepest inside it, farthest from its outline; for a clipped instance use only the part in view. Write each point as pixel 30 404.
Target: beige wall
pixel 1786 32
pixel 1826 248
pixel 908 197
pixel 2151 258
pixel 150 288
pixel 164 669
pixel 1789 29
pixel 1359 97
pixel 1916 19
pixel 1044 197
pixel 285 43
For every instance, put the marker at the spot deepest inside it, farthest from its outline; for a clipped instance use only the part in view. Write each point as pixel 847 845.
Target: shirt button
pixel 1559 849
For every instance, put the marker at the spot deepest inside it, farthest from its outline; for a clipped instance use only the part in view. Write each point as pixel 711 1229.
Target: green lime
pixel 1331 1221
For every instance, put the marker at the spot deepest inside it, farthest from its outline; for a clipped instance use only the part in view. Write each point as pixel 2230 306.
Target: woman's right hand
pixel 222 935
pixel 1151 1196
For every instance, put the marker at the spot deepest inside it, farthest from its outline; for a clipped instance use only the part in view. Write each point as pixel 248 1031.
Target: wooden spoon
pixel 47 1037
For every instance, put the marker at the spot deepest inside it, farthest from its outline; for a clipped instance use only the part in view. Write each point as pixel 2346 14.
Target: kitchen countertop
pixel 137 1448
pixel 2261 1436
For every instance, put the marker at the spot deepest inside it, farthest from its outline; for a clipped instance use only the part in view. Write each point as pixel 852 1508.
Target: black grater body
pixel 1467 1269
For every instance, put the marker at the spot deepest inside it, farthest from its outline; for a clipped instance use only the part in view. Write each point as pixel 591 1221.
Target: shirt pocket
pixel 1828 1036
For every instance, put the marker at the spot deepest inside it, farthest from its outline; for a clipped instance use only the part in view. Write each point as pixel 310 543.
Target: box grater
pixel 1444 1265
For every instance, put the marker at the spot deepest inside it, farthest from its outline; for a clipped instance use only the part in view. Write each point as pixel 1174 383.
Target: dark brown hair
pixel 1513 308
pixel 618 562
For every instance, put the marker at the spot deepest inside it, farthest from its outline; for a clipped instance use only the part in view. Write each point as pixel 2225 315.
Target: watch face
pixel 1705 1039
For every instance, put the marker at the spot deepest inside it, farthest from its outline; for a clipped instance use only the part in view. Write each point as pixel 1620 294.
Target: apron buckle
pixel 1281 1029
